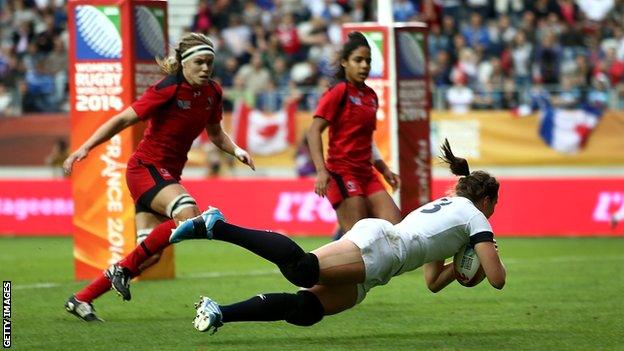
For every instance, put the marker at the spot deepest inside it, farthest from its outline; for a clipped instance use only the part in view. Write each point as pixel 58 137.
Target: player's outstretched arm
pixel 106 131
pixel 438 275
pixel 223 141
pixel 491 263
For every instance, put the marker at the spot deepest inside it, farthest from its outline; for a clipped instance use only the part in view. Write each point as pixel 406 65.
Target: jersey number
pixel 436 207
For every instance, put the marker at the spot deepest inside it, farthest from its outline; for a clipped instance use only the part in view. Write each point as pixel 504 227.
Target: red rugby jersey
pixel 352 115
pixel 177 113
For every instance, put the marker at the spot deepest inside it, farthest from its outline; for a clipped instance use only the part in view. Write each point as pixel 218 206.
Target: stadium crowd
pixel 484 54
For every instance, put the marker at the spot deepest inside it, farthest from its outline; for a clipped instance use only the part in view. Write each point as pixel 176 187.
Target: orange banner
pixel 104 72
pixel 498 138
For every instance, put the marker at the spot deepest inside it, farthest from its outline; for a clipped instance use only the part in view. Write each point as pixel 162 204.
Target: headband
pixel 197 50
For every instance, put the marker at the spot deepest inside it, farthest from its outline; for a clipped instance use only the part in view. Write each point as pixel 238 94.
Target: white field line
pixel 206 275
pixel 258 273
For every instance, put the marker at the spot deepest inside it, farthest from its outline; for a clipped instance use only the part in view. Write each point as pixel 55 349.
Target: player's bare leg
pixel 381 205
pixel 351 210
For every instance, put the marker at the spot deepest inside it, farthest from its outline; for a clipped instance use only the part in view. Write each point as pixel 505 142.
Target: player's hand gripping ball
pixel 468 270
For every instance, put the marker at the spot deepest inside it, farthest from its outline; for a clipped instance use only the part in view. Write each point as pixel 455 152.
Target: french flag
pixel 565 130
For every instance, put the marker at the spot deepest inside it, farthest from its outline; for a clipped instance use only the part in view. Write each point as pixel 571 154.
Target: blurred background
pixel 496 69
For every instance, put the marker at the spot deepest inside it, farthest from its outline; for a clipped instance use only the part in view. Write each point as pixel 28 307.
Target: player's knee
pixel 304 272
pixel 182 207
pixel 308 310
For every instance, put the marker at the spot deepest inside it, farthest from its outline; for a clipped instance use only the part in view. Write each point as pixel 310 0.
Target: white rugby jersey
pixel 438 230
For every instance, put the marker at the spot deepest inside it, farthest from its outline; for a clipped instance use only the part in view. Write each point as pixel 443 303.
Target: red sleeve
pixel 330 102
pixel 155 96
pixel 217 111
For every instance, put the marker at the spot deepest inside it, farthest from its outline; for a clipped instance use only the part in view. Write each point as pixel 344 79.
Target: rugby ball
pixel 468 270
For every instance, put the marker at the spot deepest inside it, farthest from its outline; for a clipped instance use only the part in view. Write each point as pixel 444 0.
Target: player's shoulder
pixel 214 87
pixel 169 81
pixel 337 88
pixel 369 90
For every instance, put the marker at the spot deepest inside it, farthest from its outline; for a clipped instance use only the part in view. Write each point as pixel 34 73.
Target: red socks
pixel 96 288
pixel 154 243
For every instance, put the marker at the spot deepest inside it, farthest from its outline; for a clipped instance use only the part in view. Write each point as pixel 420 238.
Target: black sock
pixel 274 247
pixel 261 308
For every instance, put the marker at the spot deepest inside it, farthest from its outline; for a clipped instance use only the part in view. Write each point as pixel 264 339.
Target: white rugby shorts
pixel 382 256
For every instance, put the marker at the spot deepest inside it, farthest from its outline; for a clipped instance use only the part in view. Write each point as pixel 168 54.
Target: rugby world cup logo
pixel 149 32
pixel 411 54
pixel 376 43
pixel 97 33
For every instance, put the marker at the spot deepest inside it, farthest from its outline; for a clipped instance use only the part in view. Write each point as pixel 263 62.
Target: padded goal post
pixel 111 62
pixel 399 77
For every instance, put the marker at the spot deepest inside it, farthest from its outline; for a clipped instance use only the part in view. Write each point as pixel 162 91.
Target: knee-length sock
pixel 271 246
pixel 302 308
pixel 155 242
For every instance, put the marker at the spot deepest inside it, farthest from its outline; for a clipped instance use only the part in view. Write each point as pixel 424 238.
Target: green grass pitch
pixel 561 294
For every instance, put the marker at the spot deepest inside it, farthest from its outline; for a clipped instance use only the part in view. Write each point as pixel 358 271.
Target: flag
pixel 263 133
pixel 565 130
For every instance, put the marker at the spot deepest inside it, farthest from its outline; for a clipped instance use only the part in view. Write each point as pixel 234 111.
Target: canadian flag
pixel 264 133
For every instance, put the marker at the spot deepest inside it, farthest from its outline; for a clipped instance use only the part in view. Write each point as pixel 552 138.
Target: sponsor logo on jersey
pixel 196 93
pixel 356 100
pixel 184 104
pixel 351 186
pixel 165 173
pixel 209 103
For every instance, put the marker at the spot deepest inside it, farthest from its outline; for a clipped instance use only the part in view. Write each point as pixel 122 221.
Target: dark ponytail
pixel 474 186
pixel 458 165
pixel 354 41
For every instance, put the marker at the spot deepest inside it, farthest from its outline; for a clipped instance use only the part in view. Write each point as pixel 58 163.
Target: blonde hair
pixel 172 64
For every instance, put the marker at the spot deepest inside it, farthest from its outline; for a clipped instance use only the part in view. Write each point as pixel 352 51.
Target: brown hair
pixel 172 64
pixel 474 186
pixel 354 41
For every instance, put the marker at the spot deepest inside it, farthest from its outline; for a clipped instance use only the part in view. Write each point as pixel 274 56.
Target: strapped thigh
pixel 178 203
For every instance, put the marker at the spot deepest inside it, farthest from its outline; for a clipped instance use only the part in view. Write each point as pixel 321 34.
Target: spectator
pixel 440 69
pixel 255 75
pixel 21 37
pixel 501 35
pixel 202 21
pixel 288 38
pixel 598 96
pixel 280 73
pixel 56 63
pixel 569 96
pixel 569 11
pixel 315 95
pixel 476 34
pixel 237 37
pixel 542 8
pixel 459 96
pixel 521 55
pixel 40 90
pixel 45 38
pixel 512 8
pixel 56 157
pixel 437 42
pixel 547 59
pixel 227 72
pixel 404 10
pixel 269 99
